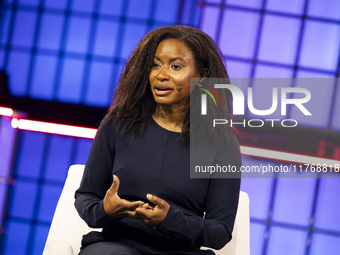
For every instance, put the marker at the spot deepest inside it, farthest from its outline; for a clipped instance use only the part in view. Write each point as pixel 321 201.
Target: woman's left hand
pixel 152 217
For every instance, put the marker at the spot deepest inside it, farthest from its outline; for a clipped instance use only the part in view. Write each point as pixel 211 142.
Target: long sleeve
pixel 97 179
pixel 221 203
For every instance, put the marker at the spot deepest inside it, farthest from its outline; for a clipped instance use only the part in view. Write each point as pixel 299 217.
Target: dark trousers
pixel 108 248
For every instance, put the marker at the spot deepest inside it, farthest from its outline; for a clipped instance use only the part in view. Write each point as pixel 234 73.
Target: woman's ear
pixel 202 77
pixel 205 73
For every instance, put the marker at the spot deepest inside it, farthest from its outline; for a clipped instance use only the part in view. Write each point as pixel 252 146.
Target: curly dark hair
pixel 133 102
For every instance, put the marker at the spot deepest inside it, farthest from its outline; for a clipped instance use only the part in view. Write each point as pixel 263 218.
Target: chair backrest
pixel 67 227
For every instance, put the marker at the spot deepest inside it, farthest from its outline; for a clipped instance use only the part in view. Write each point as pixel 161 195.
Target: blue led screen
pixel 67 49
pixel 37 186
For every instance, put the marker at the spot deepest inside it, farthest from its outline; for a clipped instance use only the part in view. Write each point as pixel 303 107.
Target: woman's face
pixel 173 67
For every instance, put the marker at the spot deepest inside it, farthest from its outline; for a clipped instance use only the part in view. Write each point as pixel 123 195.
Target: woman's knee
pixel 108 248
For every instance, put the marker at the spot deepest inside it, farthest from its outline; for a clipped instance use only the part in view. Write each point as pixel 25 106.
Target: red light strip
pixel 6 111
pixel 53 128
pixel 90 133
pixel 286 156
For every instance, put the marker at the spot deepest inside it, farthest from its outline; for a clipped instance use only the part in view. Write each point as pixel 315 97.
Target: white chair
pixel 67 227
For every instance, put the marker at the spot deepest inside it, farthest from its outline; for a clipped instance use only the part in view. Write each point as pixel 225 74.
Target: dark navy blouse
pixel 157 163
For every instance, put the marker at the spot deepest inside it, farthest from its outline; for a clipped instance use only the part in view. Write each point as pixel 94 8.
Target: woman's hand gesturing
pixel 152 217
pixel 114 206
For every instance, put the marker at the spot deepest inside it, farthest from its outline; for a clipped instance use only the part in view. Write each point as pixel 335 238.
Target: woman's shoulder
pixel 108 121
pixel 108 126
pixel 233 140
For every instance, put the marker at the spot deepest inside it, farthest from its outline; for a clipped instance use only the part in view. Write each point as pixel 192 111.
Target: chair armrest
pixel 240 242
pixel 55 247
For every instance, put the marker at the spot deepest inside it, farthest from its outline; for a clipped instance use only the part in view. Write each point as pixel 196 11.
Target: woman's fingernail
pixel 149 196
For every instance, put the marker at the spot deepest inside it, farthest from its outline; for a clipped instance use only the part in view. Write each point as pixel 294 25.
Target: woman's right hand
pixel 114 206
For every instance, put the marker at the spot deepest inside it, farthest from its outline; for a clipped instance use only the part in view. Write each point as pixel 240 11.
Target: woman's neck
pixel 169 117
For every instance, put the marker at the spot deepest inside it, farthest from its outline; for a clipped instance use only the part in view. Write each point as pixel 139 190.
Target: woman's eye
pixel 176 67
pixel 155 65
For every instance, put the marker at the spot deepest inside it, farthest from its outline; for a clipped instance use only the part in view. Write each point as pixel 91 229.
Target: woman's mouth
pixel 163 91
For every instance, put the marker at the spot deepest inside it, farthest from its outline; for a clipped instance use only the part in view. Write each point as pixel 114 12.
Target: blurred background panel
pixel 72 52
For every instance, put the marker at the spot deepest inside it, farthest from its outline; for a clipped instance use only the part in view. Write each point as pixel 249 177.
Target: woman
pixel 136 184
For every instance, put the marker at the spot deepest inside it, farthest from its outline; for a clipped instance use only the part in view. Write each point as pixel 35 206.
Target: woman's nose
pixel 163 75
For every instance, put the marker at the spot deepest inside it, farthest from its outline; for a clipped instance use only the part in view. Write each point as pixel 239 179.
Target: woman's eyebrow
pixel 172 59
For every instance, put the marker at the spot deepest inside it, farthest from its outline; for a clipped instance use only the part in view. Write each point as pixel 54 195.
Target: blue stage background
pixel 74 50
